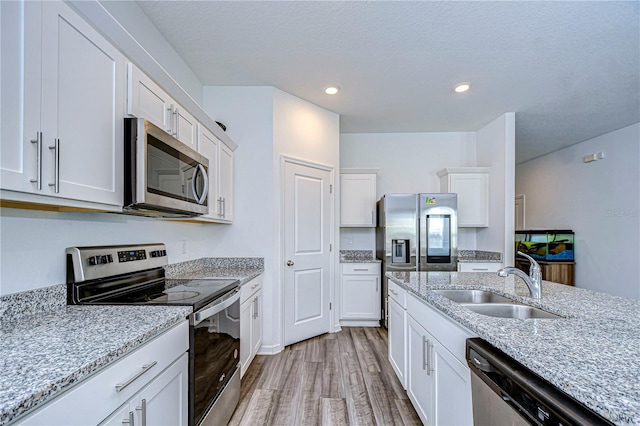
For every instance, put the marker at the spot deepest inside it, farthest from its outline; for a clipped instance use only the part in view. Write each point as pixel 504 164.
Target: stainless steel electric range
pixel 134 275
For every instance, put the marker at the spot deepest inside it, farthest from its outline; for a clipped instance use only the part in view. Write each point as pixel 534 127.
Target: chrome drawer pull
pixel 145 368
pixel 56 173
pixel 364 270
pixel 129 421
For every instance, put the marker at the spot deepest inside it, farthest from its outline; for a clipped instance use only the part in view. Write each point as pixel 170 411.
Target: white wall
pixel 599 201
pixel 33 243
pixel 496 149
pixel 267 123
pixel 407 162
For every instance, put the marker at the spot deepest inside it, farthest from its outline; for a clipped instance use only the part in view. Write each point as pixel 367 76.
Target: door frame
pixel 284 159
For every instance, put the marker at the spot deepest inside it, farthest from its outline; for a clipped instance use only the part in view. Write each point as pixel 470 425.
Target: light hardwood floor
pixel 335 379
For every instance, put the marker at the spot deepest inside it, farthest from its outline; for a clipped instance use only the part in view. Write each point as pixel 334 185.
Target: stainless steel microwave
pixel 162 176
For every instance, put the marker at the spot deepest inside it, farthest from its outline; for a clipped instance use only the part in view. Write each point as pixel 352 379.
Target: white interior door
pixel 307 235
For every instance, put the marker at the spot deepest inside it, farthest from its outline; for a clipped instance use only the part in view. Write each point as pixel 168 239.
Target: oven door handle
pixel 216 307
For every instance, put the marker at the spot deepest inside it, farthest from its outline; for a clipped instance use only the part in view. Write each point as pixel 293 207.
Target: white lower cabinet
pixel 360 294
pixel 148 386
pixel 438 379
pixel 162 402
pixel 397 327
pixel 479 266
pixel 250 321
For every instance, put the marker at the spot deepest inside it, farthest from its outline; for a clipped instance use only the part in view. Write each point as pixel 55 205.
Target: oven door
pixel 213 360
pixel 162 174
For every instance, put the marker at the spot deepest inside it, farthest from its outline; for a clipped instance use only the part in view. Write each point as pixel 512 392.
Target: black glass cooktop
pixel 196 293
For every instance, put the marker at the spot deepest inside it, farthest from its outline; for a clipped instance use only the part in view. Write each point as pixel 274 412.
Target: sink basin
pixel 473 296
pixel 509 310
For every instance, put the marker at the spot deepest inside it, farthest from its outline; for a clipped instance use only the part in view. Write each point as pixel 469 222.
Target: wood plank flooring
pixel 335 379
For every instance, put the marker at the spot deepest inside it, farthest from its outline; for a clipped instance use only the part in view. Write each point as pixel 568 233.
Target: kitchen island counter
pixel 592 354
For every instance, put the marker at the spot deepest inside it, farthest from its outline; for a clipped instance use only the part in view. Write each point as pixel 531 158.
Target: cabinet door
pixel 209 146
pixel 246 323
pixel 256 329
pixel 473 198
pixel 165 400
pixel 82 109
pixel 120 417
pixel 186 128
pixel 20 80
pixel 361 297
pixel 419 377
pixel 358 200
pixel 226 182
pixel 452 388
pixel 397 345
pixel 146 99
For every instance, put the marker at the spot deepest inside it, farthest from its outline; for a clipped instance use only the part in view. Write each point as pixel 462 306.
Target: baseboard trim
pixel 270 350
pixel 360 323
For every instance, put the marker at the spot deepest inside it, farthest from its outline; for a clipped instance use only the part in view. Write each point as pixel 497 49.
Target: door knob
pixel 289 263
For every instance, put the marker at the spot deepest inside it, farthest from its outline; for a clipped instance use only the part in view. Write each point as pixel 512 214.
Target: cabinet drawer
pixel 250 288
pixel 449 333
pixel 361 268
pixel 95 398
pixel 397 293
pixel 479 266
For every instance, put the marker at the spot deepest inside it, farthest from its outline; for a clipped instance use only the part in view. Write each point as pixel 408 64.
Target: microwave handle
pixel 205 190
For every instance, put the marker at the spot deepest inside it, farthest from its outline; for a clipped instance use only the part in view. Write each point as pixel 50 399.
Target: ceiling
pixel 570 70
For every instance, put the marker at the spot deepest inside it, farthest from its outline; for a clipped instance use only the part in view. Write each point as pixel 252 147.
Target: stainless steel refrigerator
pixel 416 232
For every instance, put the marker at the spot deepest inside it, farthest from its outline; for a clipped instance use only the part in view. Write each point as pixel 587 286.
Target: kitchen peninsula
pixel 590 354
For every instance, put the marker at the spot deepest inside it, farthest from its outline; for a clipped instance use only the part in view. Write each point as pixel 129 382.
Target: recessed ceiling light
pixel 462 87
pixel 331 90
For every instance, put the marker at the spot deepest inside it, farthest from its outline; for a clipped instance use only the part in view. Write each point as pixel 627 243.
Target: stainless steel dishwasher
pixel 504 392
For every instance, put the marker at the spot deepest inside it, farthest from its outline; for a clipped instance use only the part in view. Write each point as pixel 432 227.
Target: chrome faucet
pixel 533 280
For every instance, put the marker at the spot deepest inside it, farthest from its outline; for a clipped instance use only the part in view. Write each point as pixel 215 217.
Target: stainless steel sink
pixel 509 310
pixel 473 296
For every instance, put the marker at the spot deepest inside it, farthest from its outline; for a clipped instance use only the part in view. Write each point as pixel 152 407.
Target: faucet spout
pixel 533 280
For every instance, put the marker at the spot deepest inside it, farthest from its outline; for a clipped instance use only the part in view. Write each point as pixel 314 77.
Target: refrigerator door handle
pixel 418 234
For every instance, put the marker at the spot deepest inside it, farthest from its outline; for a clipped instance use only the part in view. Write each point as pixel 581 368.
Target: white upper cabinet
pixel 358 200
pixel 146 99
pixel 209 146
pixel 62 107
pixel 226 182
pixel 472 186
pixel 220 158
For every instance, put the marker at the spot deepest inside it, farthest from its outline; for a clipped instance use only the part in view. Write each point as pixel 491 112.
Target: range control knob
pixel 100 260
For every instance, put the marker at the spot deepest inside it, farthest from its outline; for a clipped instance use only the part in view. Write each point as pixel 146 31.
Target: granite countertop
pixel 47 347
pixel 479 256
pixel 43 355
pixel 593 354
pixel 358 256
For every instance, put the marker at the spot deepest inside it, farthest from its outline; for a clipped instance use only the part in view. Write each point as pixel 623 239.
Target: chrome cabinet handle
pixel 170 129
pixel 145 368
pixel 377 282
pixel 219 206
pixel 224 207
pixel 479 269
pixel 56 166
pixel 372 218
pixel 429 360
pixel 143 409
pixel 362 270
pixel 289 262
pixel 129 421
pixel 38 179
pixel 177 123
pixel 425 361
